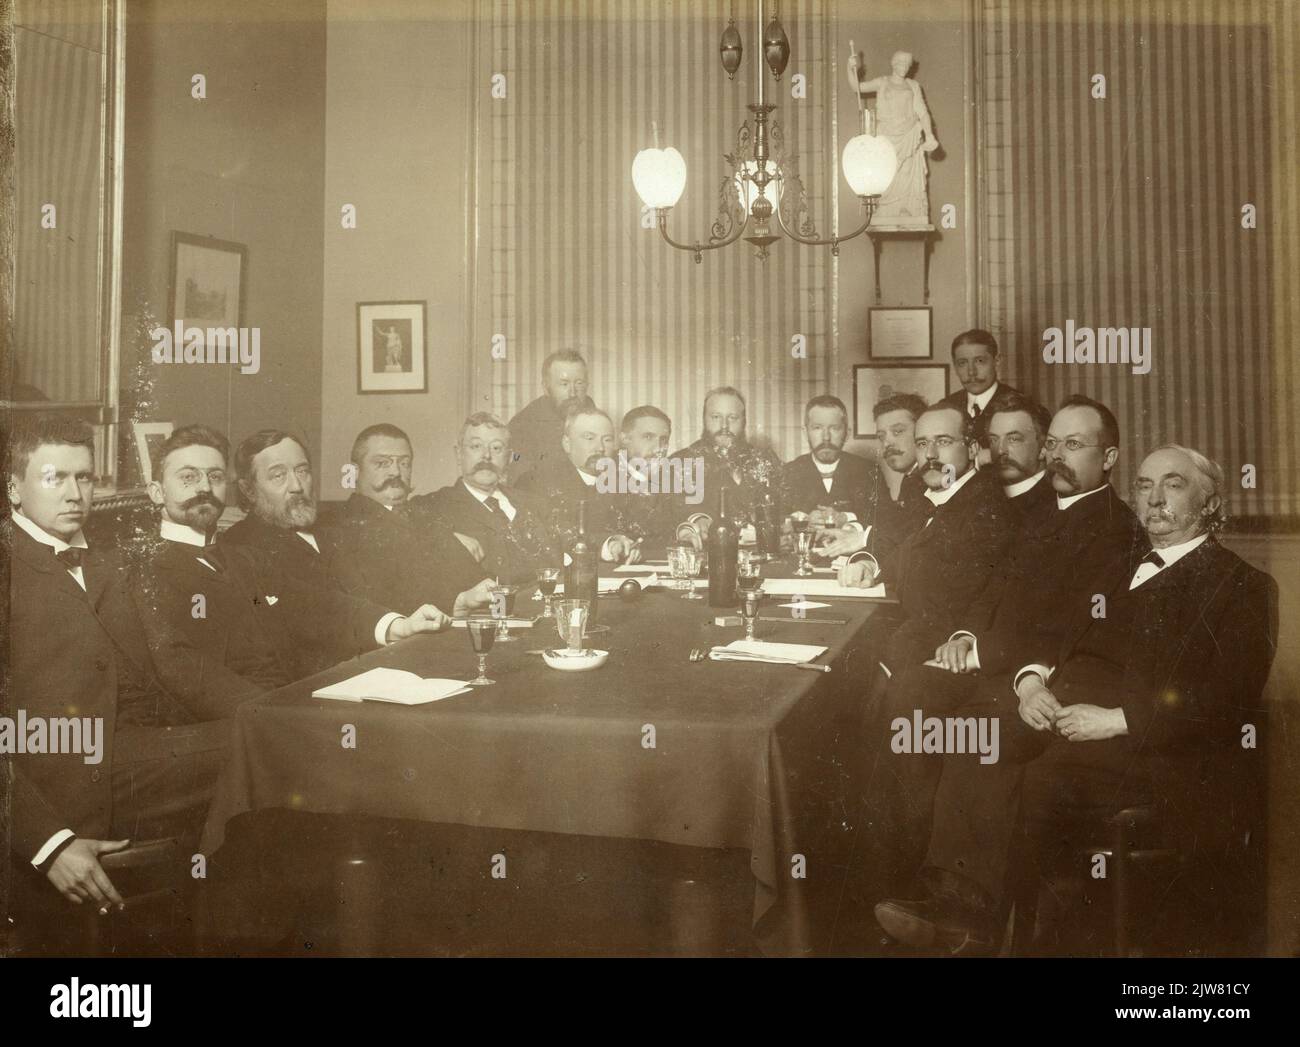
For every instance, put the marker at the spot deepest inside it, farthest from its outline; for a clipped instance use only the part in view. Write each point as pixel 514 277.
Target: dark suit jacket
pixel 1061 559
pixel 260 628
pixel 895 521
pixel 512 549
pixel 740 476
pixel 1186 655
pixel 535 438
pixel 400 559
pixel 1037 499
pixel 958 400
pixel 852 485
pixel 560 488
pixel 285 550
pixel 944 566
pixel 73 653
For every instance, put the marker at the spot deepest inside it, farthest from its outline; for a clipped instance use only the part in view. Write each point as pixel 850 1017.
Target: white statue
pixel 903 118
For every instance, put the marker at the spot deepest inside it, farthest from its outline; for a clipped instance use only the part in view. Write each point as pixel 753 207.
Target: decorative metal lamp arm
pixel 697 248
pixel 868 206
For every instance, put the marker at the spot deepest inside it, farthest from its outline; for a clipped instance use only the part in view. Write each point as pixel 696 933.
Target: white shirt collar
pixel 1020 487
pixel 983 398
pixel 587 478
pixel 1065 503
pixel 942 495
pixel 309 538
pixel 826 470
pixel 45 538
pixel 1173 553
pixel 174 532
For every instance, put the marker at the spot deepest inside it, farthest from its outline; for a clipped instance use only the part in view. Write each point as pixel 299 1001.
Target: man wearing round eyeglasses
pixel 224 623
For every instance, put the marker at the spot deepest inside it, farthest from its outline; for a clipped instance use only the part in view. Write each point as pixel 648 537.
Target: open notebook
pixel 391 685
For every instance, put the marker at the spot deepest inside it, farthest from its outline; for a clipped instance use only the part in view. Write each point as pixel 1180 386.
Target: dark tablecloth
pixel 751 756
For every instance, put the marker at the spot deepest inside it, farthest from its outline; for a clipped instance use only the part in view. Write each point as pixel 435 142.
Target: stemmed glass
pixel 684 562
pixel 547 579
pixel 749 580
pixel 503 606
pixel 482 635
pixel 803 535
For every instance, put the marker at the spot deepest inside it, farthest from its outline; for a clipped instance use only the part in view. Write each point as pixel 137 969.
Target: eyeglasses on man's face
pixel 191 477
pixel 1072 445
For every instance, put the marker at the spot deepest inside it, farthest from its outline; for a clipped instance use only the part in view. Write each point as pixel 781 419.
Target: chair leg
pixel 1121 890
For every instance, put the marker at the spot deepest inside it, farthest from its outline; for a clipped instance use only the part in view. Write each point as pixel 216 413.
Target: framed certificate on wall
pixel 901 333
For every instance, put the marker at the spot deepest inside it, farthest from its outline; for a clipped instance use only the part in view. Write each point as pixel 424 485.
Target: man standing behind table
pixel 566 482
pixel 975 363
pixel 222 620
pixel 731 462
pixel 76 649
pixel 390 555
pixel 508 524
pixel 1146 705
pixel 942 568
pixel 537 429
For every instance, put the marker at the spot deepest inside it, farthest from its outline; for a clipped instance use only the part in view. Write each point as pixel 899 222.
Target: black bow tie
pixel 1155 558
pixel 71 558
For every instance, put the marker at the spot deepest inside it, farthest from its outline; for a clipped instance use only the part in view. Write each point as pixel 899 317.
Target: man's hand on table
pixel 78 876
pixel 425 619
pixel 859 574
pixel 619 548
pixel 474 599
pixel 841 541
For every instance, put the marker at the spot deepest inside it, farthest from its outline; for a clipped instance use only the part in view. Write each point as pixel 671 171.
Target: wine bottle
pixel 724 546
pixel 767 528
pixel 582 578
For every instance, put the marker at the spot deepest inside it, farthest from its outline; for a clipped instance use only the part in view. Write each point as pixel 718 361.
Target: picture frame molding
pixel 211 243
pixel 929 333
pixel 422 348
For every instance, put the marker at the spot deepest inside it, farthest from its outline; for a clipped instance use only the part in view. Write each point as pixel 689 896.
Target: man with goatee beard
pixel 1063 568
pixel 223 623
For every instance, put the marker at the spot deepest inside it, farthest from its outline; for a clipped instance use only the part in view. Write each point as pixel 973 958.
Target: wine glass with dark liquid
pixel 749 580
pixel 547 579
pixel 482 635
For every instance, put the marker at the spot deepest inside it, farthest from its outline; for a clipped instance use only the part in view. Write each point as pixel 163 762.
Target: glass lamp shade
pixel 748 191
pixel 869 164
pixel 659 176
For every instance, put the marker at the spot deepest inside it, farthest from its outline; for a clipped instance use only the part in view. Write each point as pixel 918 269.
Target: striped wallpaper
pixel 564 260
pixel 58 49
pixel 1126 211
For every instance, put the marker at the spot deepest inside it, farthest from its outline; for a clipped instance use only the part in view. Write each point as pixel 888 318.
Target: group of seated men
pixel 1122 651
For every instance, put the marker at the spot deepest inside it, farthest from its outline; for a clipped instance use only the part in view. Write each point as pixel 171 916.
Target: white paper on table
pixel 630 568
pixel 808 605
pixel 794 652
pixel 610 585
pixel 391 685
pixel 511 623
pixel 820 587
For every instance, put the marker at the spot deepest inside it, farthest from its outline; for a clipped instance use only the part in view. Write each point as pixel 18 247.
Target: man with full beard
pixel 222 622
pixel 537 429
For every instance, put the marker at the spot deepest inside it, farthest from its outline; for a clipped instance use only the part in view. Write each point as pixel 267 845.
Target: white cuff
pixel 973 662
pixel 1043 672
pixel 851 518
pixel 51 845
pixel 381 627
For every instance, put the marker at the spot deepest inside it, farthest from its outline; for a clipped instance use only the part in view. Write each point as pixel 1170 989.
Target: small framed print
pixel 149 437
pixel 872 384
pixel 207 282
pixel 391 347
pixel 900 333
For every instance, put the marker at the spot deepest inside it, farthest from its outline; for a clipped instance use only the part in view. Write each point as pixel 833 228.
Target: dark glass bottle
pixel 724 547
pixel 582 578
pixel 767 526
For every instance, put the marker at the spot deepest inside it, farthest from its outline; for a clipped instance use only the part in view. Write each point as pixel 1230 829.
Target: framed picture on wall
pixel 207 282
pixel 391 347
pixel 149 437
pixel 900 333
pixel 872 384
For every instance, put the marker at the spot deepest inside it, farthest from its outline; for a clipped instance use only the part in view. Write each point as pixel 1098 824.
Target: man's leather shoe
pixel 931 923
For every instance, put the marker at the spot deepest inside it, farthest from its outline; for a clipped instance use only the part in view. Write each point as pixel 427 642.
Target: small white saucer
pixel 575 663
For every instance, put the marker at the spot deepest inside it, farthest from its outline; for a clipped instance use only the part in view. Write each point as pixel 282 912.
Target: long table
pixel 651 746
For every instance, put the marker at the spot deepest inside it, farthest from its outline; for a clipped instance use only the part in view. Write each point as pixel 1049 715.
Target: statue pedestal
pixel 923 236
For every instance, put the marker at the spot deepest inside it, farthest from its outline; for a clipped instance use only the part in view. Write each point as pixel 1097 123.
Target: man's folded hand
pixel 1038 706
pixel 424 619
pixel 78 876
pixel 955 654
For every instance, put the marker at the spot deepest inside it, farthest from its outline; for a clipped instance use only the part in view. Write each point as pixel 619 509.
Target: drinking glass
pixel 547 579
pixel 571 623
pixel 683 561
pixel 803 535
pixel 694 565
pixel 482 635
pixel 749 600
pixel 503 606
